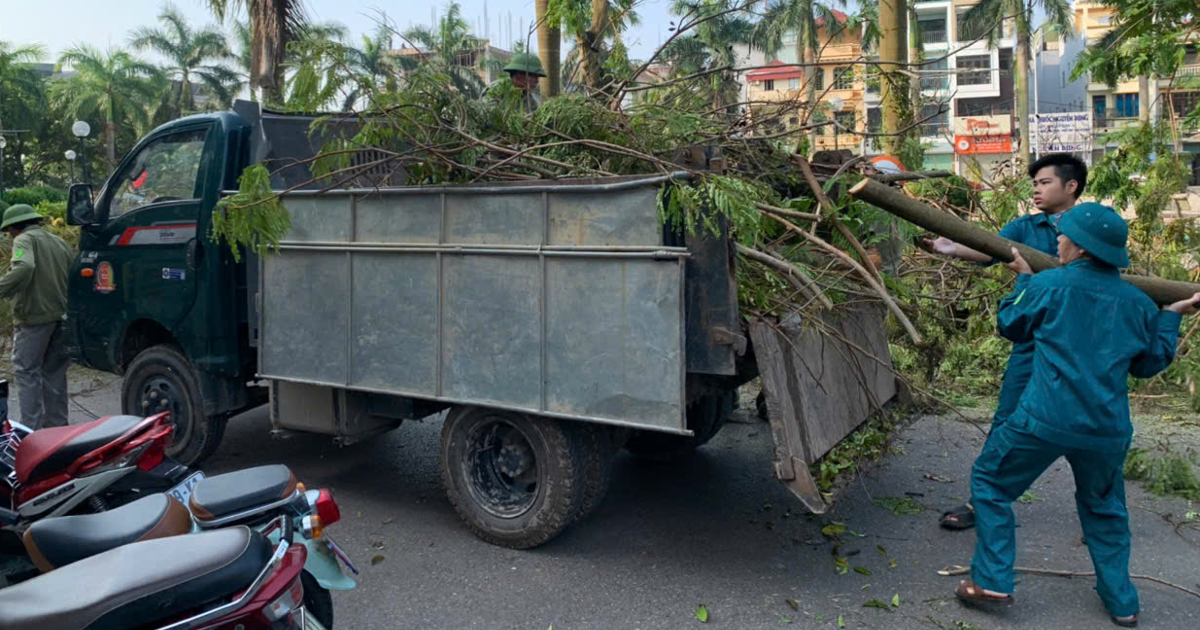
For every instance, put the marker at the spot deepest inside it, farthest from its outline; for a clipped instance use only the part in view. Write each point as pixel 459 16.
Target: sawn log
pixel 960 231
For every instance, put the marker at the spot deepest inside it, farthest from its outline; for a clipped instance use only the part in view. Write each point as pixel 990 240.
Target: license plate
pixel 337 551
pixel 183 491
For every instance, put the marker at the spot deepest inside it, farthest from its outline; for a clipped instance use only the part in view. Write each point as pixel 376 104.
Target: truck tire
pixel 160 379
pixel 516 480
pixel 705 418
pixel 599 455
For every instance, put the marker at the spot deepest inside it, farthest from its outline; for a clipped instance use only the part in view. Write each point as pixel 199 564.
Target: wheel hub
pixel 502 469
pixel 163 395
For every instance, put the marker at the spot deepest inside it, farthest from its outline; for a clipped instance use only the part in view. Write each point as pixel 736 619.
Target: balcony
pixel 1112 123
pixel 1188 71
pixel 935 84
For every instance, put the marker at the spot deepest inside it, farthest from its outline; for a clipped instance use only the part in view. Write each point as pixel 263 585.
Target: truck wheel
pixel 516 480
pixel 161 379
pixel 705 418
pixel 599 455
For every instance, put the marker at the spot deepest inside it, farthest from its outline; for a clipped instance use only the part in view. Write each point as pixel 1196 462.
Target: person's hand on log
pixel 947 247
pixel 1185 307
pixel 1019 264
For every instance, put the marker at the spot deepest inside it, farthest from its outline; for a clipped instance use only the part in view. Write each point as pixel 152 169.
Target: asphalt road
pixel 715 530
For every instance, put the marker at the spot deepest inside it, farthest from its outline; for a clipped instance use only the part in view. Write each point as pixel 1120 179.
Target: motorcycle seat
pixel 240 491
pixel 139 584
pixel 56 542
pixel 47 451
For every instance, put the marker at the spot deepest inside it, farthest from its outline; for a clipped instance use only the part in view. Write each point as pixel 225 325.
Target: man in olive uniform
pixel 37 282
pixel 525 69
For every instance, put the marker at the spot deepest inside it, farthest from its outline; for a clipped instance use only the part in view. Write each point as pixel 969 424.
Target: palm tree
pixel 191 55
pixel 112 86
pixel 593 23
pixel 451 48
pixel 273 23
pixel 243 51
pixel 710 46
pixel 373 62
pixel 22 97
pixel 989 13
pixel 799 18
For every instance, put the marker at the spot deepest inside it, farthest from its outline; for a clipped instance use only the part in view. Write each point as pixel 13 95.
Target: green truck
pixel 549 322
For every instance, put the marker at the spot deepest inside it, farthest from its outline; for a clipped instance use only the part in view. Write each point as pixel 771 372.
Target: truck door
pixel 138 254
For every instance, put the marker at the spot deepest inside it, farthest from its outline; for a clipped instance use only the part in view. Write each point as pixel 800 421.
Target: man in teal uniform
pixel 1090 331
pixel 1058 181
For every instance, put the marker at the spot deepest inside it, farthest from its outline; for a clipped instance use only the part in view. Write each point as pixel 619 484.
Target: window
pixel 933 31
pixel 931 79
pixel 983 62
pixel 874 120
pixel 938 123
pixel 167 169
pixel 818 78
pixel 843 78
pixel 1099 104
pixel 1126 105
pixel 968 107
pixel 845 121
pixel 793 84
pixel 1184 104
pixel 769 85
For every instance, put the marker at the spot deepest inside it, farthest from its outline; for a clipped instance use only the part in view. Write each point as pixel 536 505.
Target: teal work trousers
pixel 1010 462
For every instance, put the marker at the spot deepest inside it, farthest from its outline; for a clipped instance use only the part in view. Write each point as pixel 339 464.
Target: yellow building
pixel 770 90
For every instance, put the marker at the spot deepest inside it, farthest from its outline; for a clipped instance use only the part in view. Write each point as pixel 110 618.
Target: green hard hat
pixel 525 62
pixel 1098 229
pixel 19 213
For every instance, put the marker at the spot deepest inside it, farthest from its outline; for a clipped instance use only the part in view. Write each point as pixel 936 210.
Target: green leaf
pixel 783 619
pixel 376 560
pixel 862 570
pixel 896 600
pixel 702 613
pixel 833 530
pixel 793 603
pixel 841 621
pixel 881 550
pixel 893 564
pixel 875 603
pixel 820 617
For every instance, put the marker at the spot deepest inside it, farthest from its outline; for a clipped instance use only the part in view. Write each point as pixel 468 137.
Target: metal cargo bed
pixel 560 299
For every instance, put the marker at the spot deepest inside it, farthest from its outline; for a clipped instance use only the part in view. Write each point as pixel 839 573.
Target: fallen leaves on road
pixel 376 560
pixel 794 604
pixel 938 478
pixel 702 613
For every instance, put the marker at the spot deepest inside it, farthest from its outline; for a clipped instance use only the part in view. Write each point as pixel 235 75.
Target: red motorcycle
pixel 232 578
pixel 86 467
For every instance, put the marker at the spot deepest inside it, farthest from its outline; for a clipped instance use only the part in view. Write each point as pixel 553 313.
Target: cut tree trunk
pixel 549 43
pixel 959 231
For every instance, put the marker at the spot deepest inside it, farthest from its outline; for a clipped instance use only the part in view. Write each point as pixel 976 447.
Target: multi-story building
pixel 966 90
pixel 774 92
pixel 1113 108
pixel 486 61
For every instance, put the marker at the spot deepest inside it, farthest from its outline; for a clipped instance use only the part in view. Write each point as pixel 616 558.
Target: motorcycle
pixel 95 465
pixel 224 579
pixel 254 497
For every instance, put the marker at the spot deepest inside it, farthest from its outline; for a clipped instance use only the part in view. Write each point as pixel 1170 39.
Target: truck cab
pixel 150 296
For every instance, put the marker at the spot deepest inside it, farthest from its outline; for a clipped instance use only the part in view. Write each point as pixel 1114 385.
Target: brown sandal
pixel 972 595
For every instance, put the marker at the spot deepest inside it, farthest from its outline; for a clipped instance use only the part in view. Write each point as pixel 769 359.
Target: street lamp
pixel 3 143
pixel 70 155
pixel 81 130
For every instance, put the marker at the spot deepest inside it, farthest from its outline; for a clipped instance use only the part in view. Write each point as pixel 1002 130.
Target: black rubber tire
pixel 599 455
pixel 317 600
pixel 164 367
pixel 705 417
pixel 760 406
pixel 555 449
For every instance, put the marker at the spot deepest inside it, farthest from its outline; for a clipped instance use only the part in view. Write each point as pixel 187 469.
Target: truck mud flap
pixel 822 379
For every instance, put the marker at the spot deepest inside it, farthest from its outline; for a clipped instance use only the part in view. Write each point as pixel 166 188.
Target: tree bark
pixel 549 51
pixel 893 28
pixel 590 44
pixel 959 231
pixel 1022 87
pixel 269 31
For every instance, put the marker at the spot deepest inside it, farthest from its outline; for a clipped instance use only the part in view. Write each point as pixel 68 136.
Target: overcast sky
pixel 58 24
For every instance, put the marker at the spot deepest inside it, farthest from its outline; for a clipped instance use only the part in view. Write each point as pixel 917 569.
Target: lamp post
pixel 70 155
pixel 3 143
pixel 81 130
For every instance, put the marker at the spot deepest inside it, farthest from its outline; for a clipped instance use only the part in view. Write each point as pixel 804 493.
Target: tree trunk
pixel 893 87
pixel 1022 87
pixel 110 142
pixel 591 43
pixel 269 33
pixel 549 51
pixel 946 224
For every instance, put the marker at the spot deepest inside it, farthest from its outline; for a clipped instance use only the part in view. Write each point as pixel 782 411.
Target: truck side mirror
pixel 80 210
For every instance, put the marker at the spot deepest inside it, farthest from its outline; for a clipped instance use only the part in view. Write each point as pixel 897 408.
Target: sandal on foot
pixel 961 517
pixel 972 595
pixel 1125 622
